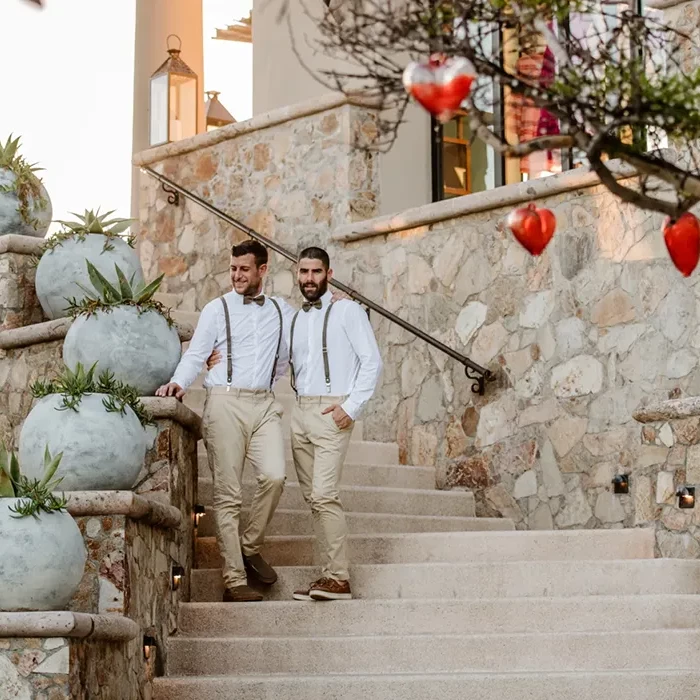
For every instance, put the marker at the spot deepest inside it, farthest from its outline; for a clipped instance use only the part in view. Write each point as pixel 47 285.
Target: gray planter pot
pixel 101 450
pixel 140 348
pixel 41 562
pixel 11 220
pixel 61 269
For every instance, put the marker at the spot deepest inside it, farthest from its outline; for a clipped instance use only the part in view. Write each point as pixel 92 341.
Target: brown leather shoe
pixel 330 589
pixel 241 594
pixel 256 566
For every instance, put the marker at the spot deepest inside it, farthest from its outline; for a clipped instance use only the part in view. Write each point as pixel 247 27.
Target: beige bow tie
pixel 318 304
pixel 254 300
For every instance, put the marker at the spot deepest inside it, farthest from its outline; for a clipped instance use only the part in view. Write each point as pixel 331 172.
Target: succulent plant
pixel 27 186
pixel 36 495
pixel 73 385
pixel 92 222
pixel 105 295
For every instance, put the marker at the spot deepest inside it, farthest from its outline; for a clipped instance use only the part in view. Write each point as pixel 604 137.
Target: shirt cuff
pixel 351 408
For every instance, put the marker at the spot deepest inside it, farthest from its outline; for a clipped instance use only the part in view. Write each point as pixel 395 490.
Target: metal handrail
pixel 476 372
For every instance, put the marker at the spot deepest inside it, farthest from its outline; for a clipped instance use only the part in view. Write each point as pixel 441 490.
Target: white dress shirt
pixel 353 355
pixel 254 336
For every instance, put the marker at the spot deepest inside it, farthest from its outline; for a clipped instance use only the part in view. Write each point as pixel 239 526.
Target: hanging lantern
pixel 216 114
pixel 532 227
pixel 174 98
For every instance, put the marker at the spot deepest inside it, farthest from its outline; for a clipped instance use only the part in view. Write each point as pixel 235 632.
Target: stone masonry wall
pixel 19 305
pixel 34 669
pixel 578 337
pixel 292 182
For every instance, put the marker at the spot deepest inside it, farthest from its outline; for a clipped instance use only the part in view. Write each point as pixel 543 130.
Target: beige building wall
pixel 155 20
pixel 280 78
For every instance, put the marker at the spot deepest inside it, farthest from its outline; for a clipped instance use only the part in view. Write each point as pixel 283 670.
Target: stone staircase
pixel 447 605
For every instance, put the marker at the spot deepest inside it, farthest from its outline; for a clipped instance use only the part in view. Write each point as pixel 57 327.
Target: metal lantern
pixel 216 114
pixel 174 99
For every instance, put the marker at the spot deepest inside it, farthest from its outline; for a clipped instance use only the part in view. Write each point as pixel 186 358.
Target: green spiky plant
pixel 36 495
pixel 105 296
pixel 92 222
pixel 74 385
pixel 27 186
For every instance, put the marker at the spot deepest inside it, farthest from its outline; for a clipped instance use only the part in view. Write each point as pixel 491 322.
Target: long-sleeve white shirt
pixel 254 337
pixel 353 355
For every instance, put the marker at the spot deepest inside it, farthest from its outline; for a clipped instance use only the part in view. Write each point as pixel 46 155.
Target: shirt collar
pixel 237 298
pixel 326 298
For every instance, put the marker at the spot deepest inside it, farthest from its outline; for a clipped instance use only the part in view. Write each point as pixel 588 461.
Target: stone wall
pixel 290 180
pixel 19 305
pixel 578 337
pixel 671 438
pixel 32 668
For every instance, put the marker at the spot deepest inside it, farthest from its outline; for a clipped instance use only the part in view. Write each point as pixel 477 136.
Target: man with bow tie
pixel 335 365
pixel 241 419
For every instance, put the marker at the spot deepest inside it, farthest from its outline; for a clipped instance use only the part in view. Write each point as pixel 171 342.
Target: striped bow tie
pixel 254 300
pixel 318 304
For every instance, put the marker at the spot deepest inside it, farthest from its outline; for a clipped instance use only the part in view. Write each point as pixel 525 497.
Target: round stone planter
pixel 38 210
pixel 63 268
pixel 42 560
pixel 102 450
pixel 140 348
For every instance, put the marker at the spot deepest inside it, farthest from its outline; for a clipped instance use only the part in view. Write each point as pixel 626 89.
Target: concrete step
pixel 457 547
pixel 621 685
pixel 490 579
pixel 298 522
pixel 483 653
pixel 369 499
pixel 431 616
pixel 389 475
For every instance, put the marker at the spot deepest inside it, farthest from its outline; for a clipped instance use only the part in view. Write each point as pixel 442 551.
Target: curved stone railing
pixel 63 623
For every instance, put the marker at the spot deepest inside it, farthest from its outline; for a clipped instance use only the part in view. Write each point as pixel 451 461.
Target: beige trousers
pixel 319 448
pixel 237 425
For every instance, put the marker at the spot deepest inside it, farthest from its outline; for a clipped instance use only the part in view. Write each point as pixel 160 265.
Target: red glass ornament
pixel 683 242
pixel 440 85
pixel 532 227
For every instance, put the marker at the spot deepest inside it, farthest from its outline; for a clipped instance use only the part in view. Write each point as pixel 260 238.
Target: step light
pixel 176 574
pixel 199 511
pixel 621 483
pixel 149 646
pixel 686 497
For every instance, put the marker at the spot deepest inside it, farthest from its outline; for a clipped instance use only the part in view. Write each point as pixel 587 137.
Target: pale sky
pixel 68 91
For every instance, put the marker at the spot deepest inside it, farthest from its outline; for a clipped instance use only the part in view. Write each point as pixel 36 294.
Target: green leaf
pixel 124 286
pixel 148 291
pixel 101 283
pixel 14 468
pixel 50 466
pixel 121 225
pixel 7 489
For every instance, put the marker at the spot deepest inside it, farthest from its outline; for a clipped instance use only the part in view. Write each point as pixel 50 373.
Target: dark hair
pixel 251 247
pixel 315 253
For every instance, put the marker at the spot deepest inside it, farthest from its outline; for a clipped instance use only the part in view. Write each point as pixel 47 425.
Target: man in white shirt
pixel 241 419
pixel 335 366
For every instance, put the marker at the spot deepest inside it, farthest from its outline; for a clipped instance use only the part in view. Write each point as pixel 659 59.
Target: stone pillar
pixel 155 19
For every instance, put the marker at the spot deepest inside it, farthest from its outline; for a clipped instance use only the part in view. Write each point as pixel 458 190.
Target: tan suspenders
pixel 229 352
pixel 326 365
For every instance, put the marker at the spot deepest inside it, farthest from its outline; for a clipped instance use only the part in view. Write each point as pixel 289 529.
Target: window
pixel 462 164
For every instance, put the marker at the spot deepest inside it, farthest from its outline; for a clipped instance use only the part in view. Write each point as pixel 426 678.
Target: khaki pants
pixel 319 448
pixel 237 425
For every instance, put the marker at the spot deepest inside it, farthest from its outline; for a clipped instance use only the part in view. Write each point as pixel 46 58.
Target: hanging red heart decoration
pixel 532 227
pixel 683 242
pixel 440 85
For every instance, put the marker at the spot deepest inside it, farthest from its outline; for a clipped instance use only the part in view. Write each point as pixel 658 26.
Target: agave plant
pixel 92 222
pixel 36 495
pixel 73 385
pixel 105 295
pixel 26 185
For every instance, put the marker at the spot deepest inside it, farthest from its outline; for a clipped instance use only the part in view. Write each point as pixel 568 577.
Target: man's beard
pixel 314 293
